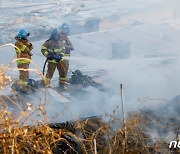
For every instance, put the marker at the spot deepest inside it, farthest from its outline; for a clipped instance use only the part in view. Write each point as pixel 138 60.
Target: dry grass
pixel 4 80
pixel 91 135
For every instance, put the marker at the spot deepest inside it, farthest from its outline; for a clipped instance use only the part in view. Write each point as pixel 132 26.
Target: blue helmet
pixel 55 32
pixel 64 28
pixel 23 34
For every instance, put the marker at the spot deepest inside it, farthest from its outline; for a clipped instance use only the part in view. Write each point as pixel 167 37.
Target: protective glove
pixel 51 56
pixel 58 58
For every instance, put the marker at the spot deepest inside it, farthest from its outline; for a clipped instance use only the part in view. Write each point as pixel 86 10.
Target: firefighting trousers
pixel 66 65
pixel 23 73
pixel 61 69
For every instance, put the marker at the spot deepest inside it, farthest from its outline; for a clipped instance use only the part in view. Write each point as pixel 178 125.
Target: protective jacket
pixel 67 44
pixel 57 47
pixel 24 47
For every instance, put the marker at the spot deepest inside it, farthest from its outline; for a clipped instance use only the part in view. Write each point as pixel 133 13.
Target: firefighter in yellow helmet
pixel 64 31
pixel 53 50
pixel 24 51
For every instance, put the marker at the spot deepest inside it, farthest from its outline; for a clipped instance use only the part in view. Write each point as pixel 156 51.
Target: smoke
pixel 149 69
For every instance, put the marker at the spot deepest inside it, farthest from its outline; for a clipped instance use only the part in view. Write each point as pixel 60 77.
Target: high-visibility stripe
pixel 59 50
pixel 63 79
pixel 52 61
pixel 43 47
pixel 62 60
pixel 23 82
pixel 23 47
pixel 24 61
pixel 67 54
pixel 46 53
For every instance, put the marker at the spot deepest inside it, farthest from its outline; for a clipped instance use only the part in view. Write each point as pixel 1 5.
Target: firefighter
pixel 23 51
pixel 53 50
pixel 64 31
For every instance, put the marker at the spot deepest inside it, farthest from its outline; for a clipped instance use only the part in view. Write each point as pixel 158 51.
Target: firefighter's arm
pixel 68 45
pixel 29 48
pixel 29 45
pixel 45 50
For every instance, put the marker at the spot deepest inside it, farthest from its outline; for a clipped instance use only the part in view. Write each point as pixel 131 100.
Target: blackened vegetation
pixel 84 80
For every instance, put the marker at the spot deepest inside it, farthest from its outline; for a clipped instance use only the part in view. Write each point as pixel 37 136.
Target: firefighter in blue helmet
pixel 53 49
pixel 24 51
pixel 65 28
pixel 64 32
